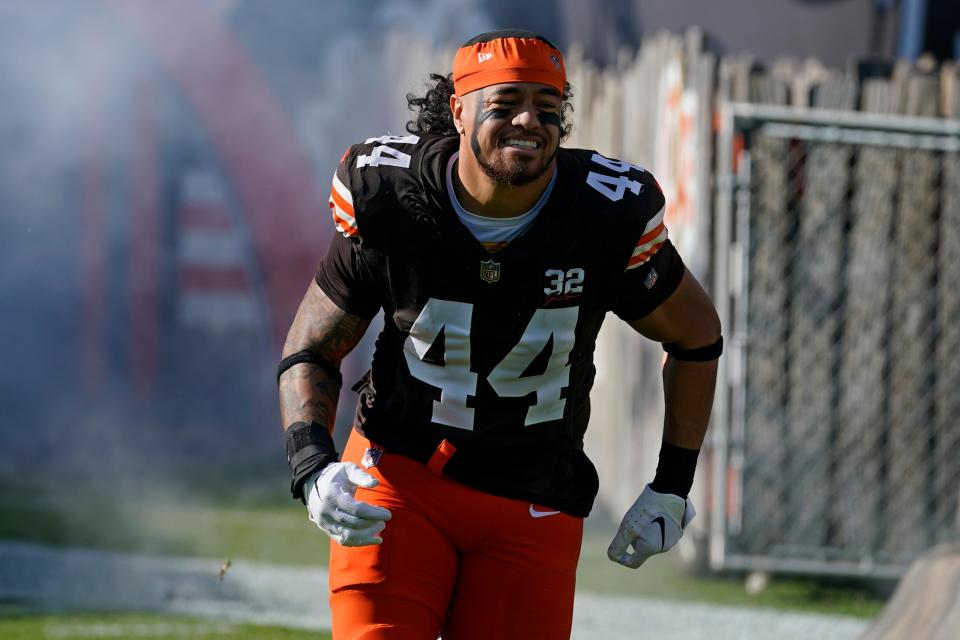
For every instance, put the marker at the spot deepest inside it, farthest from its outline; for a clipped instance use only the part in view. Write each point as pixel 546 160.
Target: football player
pixel 494 255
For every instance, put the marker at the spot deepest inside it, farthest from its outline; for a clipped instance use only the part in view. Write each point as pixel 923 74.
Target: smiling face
pixel 513 130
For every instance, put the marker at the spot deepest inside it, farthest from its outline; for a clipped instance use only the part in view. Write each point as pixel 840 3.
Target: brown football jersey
pixel 491 351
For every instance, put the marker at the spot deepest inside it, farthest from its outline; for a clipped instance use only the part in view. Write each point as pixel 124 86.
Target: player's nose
pixel 527 118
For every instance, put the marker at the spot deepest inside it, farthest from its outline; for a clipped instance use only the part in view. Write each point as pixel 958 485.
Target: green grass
pixel 131 626
pixel 267 527
pixel 278 533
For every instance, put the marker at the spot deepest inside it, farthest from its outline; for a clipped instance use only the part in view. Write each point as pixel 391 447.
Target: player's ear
pixel 456 108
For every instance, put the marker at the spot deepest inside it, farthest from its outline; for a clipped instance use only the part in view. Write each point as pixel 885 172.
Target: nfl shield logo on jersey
pixel 371 457
pixel 490 271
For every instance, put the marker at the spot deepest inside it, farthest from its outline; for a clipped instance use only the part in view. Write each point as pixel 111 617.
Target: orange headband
pixel 507 60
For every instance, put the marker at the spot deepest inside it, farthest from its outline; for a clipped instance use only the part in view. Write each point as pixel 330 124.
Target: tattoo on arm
pixel 307 393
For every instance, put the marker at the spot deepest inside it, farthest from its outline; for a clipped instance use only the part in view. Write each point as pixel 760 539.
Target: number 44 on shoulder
pixel 383 155
pixel 614 187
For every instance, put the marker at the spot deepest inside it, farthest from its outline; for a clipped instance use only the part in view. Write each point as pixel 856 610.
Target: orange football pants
pixel 454 561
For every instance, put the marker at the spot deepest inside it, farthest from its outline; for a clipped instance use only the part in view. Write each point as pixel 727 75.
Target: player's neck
pixel 480 194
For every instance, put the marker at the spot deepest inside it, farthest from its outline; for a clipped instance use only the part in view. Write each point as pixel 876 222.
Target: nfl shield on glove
pixel 653 524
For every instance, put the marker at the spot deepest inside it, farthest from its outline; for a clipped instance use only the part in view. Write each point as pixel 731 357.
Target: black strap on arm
pixel 311 358
pixel 309 449
pixel 675 470
pixel 700 354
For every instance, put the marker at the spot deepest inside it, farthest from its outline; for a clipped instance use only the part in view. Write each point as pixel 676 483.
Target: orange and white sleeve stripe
pixel 654 235
pixel 341 205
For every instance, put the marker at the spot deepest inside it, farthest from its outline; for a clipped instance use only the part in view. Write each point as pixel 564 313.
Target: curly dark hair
pixel 434 115
pixel 433 108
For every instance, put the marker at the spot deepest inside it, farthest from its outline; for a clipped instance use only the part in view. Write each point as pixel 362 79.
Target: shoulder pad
pixel 380 181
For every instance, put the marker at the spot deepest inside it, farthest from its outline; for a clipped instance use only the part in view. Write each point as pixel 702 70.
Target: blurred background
pixel 165 169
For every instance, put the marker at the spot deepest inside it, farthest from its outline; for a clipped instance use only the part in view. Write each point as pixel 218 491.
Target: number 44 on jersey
pixel 451 322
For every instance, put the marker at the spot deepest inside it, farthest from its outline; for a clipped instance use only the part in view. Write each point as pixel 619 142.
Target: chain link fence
pixel 843 432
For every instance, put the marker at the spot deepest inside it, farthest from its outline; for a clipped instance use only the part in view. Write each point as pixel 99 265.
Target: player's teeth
pixel 522 143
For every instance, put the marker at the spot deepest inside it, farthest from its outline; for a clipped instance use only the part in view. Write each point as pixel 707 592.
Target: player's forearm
pixel 309 391
pixel 688 397
pixel 688 389
pixel 308 394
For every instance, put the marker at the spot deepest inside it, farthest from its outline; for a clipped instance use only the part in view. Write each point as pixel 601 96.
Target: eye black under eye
pixel 495 113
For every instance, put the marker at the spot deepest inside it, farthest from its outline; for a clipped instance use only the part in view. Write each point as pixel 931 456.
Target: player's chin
pixel 514 169
pixel 518 175
pixel 523 160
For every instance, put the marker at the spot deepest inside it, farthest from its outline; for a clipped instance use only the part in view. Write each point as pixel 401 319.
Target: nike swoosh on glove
pixel 333 508
pixel 653 524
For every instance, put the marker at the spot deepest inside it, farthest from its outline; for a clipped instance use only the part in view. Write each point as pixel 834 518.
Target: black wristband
pixel 700 354
pixel 675 470
pixel 311 358
pixel 309 449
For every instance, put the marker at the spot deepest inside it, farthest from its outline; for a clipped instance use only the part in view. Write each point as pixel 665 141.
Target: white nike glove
pixel 652 525
pixel 333 508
